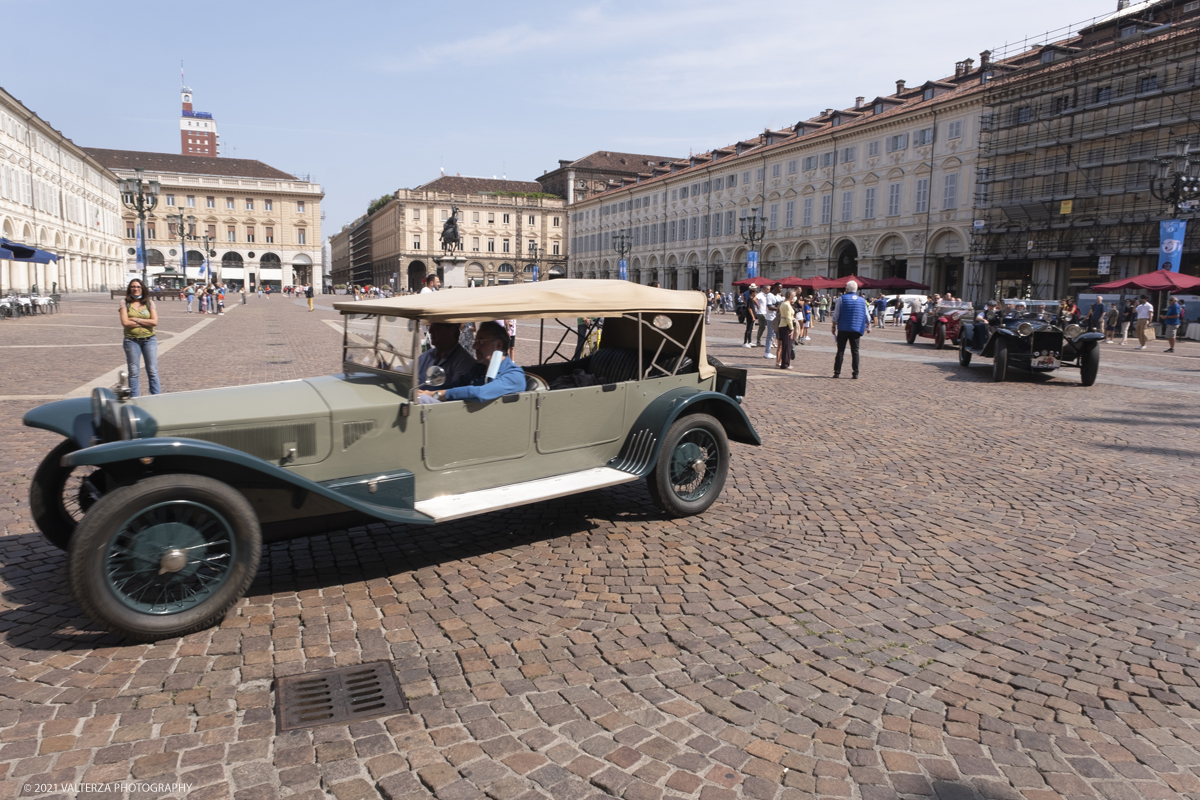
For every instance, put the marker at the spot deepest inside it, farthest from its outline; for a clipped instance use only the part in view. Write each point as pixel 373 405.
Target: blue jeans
pixel 135 350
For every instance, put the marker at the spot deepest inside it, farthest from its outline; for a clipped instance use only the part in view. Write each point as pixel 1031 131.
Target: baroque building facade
pixel 57 197
pixel 581 178
pixel 506 227
pixel 879 189
pixel 263 225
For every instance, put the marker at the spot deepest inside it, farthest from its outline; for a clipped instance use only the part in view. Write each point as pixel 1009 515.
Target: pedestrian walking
pixel 1145 316
pixel 772 316
pixel 1128 317
pixel 221 299
pixel 1111 320
pixel 822 306
pixel 787 323
pixel 748 315
pixel 1171 320
pixel 308 293
pixel 850 322
pixel 1096 315
pixel 139 318
pixel 190 293
pixel 760 314
pixel 880 309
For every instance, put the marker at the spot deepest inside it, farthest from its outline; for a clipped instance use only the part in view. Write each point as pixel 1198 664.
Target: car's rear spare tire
pixel 691 467
pixel 164 557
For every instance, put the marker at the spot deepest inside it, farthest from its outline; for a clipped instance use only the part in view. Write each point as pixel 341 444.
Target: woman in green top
pixel 139 318
pixel 787 325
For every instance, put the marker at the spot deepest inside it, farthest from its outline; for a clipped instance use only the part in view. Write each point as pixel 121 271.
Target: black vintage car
pixel 1025 334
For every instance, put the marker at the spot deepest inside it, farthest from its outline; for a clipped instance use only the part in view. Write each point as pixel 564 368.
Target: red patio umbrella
pixel 1160 280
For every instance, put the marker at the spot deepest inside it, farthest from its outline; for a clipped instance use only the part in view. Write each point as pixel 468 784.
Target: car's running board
pixel 455 506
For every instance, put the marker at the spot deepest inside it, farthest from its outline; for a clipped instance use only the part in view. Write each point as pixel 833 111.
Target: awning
pixel 20 252
pixel 1152 281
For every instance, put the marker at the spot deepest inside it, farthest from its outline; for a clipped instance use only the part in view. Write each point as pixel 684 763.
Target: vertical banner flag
pixel 1171 250
pixel 141 248
pixel 622 270
pixel 535 271
pixel 204 265
pixel 752 264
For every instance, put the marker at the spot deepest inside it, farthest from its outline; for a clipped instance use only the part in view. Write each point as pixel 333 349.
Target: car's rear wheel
pixel 59 496
pixel 964 355
pixel 910 331
pixel 1089 365
pixel 164 557
pixel 691 467
pixel 1000 364
pixel 939 335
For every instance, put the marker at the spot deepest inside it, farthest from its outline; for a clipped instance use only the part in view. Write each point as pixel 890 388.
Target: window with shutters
pixel 695 227
pixel 897 142
pixel 773 218
pixel 475 244
pixel 808 212
pixel 1103 94
pixel 716 224
pixel 826 209
pixel 759 176
pixel 869 203
pixel 848 154
pixel 792 167
pixel 729 231
pixel 872 149
pixel 231 234
pixel 923 137
pixel 704 226
pixel 1149 83
pixel 674 231
pixel 922 195
pixel 894 200
pixel 789 214
pixel 776 170
pixel 847 206
pixel 810 163
pixel 950 192
pixel 954 129
pixel 827 159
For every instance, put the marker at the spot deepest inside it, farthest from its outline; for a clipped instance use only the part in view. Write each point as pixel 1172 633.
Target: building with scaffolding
pixel 1073 131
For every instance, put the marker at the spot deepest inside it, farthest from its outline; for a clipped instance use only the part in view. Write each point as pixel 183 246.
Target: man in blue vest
pixel 850 321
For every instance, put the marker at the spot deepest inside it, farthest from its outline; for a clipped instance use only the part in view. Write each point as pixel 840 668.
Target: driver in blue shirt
pixel 475 387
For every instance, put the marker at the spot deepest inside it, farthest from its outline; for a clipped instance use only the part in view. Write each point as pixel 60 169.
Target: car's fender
pixel 233 467
pixel 644 440
pixel 63 417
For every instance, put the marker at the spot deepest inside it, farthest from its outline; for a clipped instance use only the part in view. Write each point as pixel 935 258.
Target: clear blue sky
pixel 370 96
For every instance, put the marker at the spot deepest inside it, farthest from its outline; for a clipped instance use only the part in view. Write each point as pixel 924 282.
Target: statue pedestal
pixel 454 271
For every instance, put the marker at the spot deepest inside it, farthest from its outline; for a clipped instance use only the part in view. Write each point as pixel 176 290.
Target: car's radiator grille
pixel 353 431
pixel 264 441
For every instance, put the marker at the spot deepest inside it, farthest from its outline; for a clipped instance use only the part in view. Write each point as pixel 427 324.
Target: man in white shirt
pixel 774 298
pixel 432 284
pixel 760 313
pixel 1145 315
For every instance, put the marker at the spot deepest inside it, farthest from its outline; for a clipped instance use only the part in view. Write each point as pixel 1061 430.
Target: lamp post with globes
pixel 754 230
pixel 1178 179
pixel 186 227
pixel 533 252
pixel 141 198
pixel 622 244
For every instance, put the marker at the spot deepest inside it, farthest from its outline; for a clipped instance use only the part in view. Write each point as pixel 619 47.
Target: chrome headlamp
pixel 1025 329
pixel 1072 331
pixel 102 407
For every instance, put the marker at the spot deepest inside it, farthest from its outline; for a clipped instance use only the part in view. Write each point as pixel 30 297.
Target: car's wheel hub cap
pixel 693 465
pixel 170 557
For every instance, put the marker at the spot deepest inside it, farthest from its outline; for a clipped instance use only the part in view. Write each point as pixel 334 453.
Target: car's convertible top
pixel 534 300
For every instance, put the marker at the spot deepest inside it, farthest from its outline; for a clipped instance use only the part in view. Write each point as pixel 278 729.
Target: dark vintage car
pixel 163 503
pixel 1025 335
pixel 942 324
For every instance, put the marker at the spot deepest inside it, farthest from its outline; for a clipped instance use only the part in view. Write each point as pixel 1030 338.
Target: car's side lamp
pixel 122 389
pixel 289 453
pixel 436 376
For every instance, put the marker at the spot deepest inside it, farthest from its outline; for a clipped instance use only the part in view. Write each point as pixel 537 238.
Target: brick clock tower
pixel 197 130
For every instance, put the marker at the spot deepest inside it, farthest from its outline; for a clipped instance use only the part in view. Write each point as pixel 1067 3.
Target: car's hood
pixel 266 419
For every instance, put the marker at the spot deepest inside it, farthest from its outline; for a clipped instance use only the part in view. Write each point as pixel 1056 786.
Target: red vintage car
pixel 943 323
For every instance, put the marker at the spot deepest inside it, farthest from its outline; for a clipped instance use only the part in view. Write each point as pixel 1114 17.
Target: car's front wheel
pixel 1089 365
pixel 939 335
pixel 1000 364
pixel 59 496
pixel 164 557
pixel 910 331
pixel 964 355
pixel 692 466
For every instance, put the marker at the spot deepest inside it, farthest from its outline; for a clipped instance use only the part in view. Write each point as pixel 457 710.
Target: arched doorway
pixel 416 276
pixel 233 269
pixel 506 274
pixel 302 269
pixel 846 259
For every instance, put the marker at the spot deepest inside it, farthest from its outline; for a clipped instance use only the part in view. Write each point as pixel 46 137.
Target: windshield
pixel 1031 309
pixel 379 342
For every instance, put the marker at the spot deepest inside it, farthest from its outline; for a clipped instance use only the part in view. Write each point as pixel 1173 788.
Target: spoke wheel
pixel 1000 364
pixel 59 496
pixel 691 467
pixel 164 557
pixel 964 355
pixel 910 331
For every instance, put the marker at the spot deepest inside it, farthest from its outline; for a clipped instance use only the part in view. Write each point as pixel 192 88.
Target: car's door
pixel 459 434
pixel 571 419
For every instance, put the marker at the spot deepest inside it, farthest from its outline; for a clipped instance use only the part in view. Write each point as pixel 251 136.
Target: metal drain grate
pixel 338 696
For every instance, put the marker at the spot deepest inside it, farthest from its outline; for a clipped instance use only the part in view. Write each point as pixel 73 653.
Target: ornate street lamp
pixel 1178 179
pixel 622 245
pixel 187 231
pixel 754 230
pixel 141 198
pixel 533 249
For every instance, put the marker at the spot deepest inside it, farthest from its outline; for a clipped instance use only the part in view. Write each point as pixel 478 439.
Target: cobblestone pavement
pixel 923 584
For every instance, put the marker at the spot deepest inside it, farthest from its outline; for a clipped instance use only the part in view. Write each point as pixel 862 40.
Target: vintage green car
pixel 163 502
